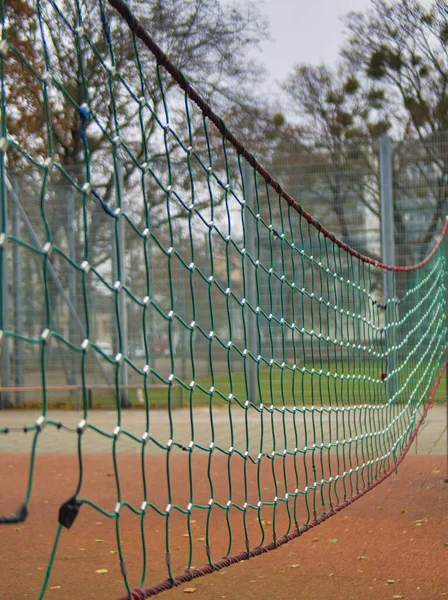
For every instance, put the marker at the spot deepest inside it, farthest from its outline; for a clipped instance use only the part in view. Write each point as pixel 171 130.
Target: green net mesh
pixel 298 371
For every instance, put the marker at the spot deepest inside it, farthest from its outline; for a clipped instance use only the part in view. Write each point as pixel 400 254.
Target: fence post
pixel 17 297
pixel 73 330
pixel 445 251
pixel 251 294
pixel 121 275
pixel 4 292
pixel 388 256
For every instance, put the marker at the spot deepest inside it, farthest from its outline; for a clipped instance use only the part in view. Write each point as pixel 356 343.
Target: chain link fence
pixel 340 187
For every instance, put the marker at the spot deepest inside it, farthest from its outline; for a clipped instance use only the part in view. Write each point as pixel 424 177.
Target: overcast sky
pixel 303 31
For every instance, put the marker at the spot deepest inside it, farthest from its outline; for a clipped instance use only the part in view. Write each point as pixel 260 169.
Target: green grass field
pixel 273 387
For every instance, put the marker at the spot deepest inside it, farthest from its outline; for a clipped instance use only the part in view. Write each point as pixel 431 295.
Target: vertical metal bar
pixel 17 296
pixel 387 209
pixel 4 302
pixel 150 334
pixel 4 399
pixel 388 255
pixel 446 406
pixel 445 249
pixel 180 339
pixel 183 333
pixel 251 291
pixel 72 327
pixel 122 271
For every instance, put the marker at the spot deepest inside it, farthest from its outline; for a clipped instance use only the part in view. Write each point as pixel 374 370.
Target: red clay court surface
pixel 392 543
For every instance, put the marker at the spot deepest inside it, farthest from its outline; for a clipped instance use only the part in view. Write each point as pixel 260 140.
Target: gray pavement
pixel 239 429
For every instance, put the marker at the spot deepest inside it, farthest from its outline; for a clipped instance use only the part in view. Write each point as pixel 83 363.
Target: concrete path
pixel 276 430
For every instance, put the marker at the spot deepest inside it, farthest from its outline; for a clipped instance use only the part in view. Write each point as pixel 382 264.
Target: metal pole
pixel 70 228
pixel 446 405
pixel 251 291
pixel 4 301
pixel 122 274
pixel 182 287
pixel 388 255
pixel 152 356
pixel 17 295
pixel 445 248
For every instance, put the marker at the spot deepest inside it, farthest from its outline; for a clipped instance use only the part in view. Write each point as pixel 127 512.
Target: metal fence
pixel 341 190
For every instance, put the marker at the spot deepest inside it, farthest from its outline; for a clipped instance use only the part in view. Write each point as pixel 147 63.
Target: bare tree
pixel 340 120
pixel 402 45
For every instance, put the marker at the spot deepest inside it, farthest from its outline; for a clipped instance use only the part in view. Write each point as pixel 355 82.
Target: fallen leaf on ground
pixel 101 571
pixel 99 541
pixel 362 557
pixel 55 587
pixel 403 511
pixel 294 566
pixel 390 581
pixel 201 539
pixel 113 551
pixel 266 522
pixel 398 597
pixel 189 590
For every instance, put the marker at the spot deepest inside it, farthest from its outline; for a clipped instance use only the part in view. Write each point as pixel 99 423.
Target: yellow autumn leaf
pixel 390 581
pixel 294 566
pixel 101 571
pixel 189 590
